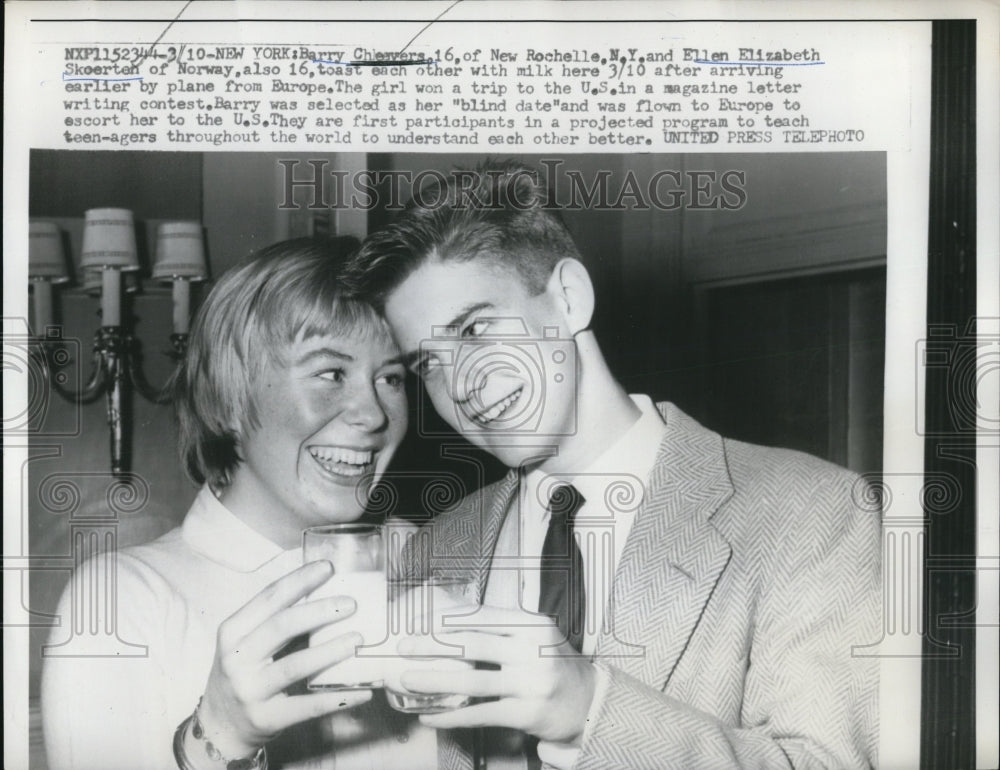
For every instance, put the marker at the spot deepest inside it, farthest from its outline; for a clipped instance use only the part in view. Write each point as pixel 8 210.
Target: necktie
pixel 562 593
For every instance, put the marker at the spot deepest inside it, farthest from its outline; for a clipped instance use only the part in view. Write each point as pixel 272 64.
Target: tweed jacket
pixel 747 590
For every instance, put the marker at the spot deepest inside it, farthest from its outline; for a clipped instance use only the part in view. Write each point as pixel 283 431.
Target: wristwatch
pixel 257 761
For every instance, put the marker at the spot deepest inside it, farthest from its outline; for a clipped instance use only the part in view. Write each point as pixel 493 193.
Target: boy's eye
pixel 426 366
pixel 477 328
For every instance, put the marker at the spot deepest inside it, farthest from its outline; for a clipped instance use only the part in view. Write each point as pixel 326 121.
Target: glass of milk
pixel 357 554
pixel 426 607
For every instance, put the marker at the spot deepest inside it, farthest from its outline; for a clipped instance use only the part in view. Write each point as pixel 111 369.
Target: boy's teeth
pixel 497 409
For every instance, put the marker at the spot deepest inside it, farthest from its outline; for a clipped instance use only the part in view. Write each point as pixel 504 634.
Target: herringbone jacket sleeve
pixel 795 692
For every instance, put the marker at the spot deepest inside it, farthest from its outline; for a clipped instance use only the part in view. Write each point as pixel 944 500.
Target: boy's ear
pixel 573 291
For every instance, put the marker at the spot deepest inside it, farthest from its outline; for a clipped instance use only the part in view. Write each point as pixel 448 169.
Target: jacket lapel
pixel 494 512
pixel 469 538
pixel 673 556
pixel 486 528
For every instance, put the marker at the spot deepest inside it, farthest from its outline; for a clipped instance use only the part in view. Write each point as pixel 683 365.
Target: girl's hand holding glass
pixel 244 704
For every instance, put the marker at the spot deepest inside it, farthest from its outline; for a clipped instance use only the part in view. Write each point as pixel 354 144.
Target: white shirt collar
pixel 629 459
pixel 217 533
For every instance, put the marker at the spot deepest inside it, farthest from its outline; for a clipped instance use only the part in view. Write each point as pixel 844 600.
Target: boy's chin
pixel 522 451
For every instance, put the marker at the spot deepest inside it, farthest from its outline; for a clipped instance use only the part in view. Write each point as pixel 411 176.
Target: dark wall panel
pixel 154 185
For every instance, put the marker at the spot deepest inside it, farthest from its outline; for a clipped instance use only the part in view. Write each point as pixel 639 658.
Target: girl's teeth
pixel 344 470
pixel 341 456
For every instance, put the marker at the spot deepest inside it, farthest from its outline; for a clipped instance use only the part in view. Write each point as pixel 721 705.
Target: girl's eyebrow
pixel 323 352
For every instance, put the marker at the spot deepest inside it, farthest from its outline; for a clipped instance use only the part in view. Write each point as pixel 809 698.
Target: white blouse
pixel 117 704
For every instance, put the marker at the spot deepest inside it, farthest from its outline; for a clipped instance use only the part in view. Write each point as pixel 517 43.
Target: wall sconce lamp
pixel 109 259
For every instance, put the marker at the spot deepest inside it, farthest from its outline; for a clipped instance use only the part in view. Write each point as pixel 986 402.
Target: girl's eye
pixel 393 379
pixel 332 375
pixel 477 328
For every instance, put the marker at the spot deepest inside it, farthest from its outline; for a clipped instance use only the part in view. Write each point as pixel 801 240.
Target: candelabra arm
pixel 116 367
pixel 147 391
pixel 52 356
pixel 95 384
pixel 151 393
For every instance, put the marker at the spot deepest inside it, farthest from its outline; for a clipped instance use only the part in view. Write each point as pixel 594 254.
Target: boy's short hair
pixel 288 291
pixel 500 212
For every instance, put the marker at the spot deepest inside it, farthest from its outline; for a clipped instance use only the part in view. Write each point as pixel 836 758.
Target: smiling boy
pixel 705 605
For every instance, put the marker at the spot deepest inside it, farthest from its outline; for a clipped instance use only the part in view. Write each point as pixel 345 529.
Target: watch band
pixel 257 761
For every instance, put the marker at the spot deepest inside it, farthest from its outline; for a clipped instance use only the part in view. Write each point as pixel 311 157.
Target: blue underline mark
pixel 775 63
pixel 106 80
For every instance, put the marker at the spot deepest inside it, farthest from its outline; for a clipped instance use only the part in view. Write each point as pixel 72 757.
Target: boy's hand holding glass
pixel 424 607
pixel 536 682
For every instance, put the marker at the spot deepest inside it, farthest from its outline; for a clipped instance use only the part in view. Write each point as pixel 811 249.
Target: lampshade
pixel 46 258
pixel 180 252
pixel 109 240
pixel 92 282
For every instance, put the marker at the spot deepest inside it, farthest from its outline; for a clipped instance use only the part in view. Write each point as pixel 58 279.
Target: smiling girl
pixel 290 403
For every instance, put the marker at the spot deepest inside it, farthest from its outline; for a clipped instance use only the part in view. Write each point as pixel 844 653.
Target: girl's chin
pixel 341 508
